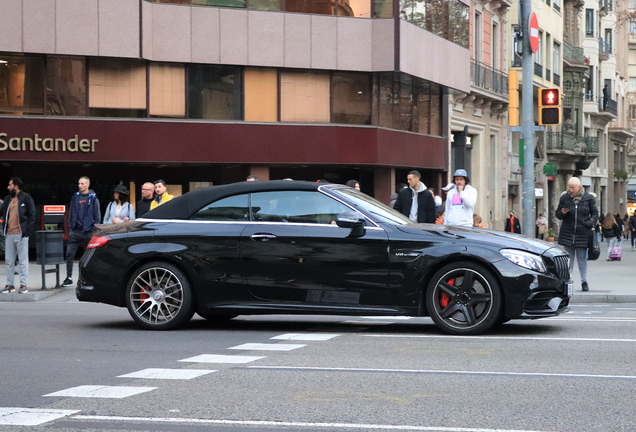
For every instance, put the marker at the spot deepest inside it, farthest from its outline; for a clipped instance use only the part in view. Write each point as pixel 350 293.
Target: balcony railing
pixel 556 79
pixel 538 70
pixel 604 49
pixel 547 74
pixel 561 141
pixel 573 55
pixel 608 105
pixel 589 97
pixel 488 77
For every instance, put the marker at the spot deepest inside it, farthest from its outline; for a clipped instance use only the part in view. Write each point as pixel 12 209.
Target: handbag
pixel 593 248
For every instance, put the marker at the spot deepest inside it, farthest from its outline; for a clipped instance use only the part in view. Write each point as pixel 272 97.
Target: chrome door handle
pixel 262 237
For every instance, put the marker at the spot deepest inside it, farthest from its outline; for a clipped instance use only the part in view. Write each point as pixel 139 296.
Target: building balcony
pixel 608 105
pixel 571 152
pixel 573 56
pixel 538 70
pixel 604 50
pixel 488 78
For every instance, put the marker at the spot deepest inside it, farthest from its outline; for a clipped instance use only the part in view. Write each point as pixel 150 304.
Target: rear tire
pixel 464 299
pixel 159 297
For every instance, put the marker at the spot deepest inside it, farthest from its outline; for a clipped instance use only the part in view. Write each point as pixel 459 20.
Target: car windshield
pixel 380 212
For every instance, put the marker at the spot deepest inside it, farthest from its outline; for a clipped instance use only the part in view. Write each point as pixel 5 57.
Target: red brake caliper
pixel 444 298
pixel 143 296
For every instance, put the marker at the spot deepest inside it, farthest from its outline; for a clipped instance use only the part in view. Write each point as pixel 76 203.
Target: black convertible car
pixel 283 247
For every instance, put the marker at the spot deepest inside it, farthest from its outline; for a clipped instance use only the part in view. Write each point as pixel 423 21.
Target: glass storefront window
pixel 66 92
pixel 214 92
pixel 304 97
pixel 459 20
pixel 21 85
pixel 351 98
pixel 414 11
pixel 354 8
pixel 167 90
pixel 117 88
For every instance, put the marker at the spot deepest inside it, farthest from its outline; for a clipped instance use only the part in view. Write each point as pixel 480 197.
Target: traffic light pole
pixel 527 123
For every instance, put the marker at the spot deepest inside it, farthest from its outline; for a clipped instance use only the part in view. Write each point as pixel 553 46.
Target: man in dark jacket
pixel 512 223
pixel 17 214
pixel 143 205
pixel 415 202
pixel 83 214
pixel 632 229
pixel 577 210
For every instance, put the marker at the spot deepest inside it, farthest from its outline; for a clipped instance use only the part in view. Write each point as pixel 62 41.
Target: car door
pixel 294 252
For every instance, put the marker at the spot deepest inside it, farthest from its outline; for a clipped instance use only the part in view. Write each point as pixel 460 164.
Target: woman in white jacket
pixel 460 201
pixel 119 210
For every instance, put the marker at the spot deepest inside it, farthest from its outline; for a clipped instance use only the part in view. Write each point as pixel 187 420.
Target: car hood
pixel 480 236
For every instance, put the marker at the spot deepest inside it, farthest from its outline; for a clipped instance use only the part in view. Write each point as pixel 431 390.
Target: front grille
pixel 561 267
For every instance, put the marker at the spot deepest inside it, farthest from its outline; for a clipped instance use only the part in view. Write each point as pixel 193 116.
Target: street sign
pixel 533 31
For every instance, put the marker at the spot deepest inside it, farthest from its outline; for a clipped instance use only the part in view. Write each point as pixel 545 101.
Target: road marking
pixel 585 319
pixel 171 374
pixel 442 372
pixel 306 336
pixel 449 337
pixel 219 358
pixel 268 347
pixel 100 391
pixel 294 424
pixel 31 416
pixel 625 309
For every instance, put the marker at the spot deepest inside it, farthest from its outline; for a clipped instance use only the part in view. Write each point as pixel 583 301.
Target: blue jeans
pixel 17 246
pixel 581 258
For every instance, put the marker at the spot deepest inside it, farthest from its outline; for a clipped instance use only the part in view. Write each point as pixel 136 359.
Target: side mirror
pixel 353 221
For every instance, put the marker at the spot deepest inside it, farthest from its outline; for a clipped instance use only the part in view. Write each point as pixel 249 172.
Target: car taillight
pixel 97 242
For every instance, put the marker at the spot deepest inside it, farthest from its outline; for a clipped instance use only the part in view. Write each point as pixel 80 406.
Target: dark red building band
pixel 87 140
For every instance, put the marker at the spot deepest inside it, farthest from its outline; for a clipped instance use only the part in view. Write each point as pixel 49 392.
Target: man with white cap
pixel 460 201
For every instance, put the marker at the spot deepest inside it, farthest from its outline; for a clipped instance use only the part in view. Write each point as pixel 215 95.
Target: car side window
pixel 234 208
pixel 296 207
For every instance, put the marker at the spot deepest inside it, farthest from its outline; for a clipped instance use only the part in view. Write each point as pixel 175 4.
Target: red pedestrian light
pixel 549 106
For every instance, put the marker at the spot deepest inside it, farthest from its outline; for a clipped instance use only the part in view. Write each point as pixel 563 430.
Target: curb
pixel 31 296
pixel 603 298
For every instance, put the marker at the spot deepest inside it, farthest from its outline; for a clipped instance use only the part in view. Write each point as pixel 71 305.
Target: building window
pixel 589 22
pixel 223 3
pixel 66 93
pixel 214 92
pixel 632 27
pixel 538 56
pixel 589 92
pixel 382 9
pixel 354 8
pixel 21 85
pixel 321 7
pixel 167 90
pixel 632 112
pixel 117 88
pixel 459 23
pixel 495 46
pixel 261 94
pixel 351 98
pixel 608 40
pixel 304 97
pixel 556 59
pixel 632 84
pixel 478 41
pixel 448 19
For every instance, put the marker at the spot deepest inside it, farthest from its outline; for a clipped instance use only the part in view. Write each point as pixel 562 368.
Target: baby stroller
pixel 616 253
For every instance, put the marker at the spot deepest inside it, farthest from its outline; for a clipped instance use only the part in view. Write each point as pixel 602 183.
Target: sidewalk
pixel 610 282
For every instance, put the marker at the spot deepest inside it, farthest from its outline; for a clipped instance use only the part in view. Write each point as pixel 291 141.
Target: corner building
pixel 200 92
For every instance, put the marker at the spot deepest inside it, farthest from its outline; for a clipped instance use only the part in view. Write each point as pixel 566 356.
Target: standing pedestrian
pixel 17 214
pixel 605 97
pixel 119 210
pixel 461 200
pixel 398 188
pixel 577 210
pixel 542 225
pixel 512 223
pixel 2 240
pixel 415 202
pixel 161 196
pixel 632 228
pixel 626 227
pixel 147 193
pixel 354 184
pixel 83 214
pixel 251 178
pixel 477 221
pixel 612 233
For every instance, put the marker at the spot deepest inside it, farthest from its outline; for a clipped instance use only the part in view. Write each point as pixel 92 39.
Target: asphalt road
pixel 575 373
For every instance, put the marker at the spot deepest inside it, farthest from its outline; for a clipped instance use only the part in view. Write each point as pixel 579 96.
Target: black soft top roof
pixel 185 206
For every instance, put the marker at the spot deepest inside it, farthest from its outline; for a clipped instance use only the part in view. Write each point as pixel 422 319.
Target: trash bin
pixel 50 251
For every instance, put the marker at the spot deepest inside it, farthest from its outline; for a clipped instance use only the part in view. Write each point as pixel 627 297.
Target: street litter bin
pixel 50 251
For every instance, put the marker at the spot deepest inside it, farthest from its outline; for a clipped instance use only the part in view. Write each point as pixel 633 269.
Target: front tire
pixel 159 297
pixel 464 299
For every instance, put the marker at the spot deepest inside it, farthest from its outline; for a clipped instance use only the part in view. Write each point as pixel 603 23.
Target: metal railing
pixel 538 70
pixel 488 77
pixel 547 74
pixel 574 55
pixel 589 97
pixel 608 105
pixel 561 141
pixel 604 48
pixel 556 79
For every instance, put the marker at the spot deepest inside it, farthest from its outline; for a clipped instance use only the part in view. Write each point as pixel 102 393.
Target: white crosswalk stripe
pixel 220 358
pixel 169 374
pixel 101 391
pixel 306 336
pixel 31 416
pixel 267 347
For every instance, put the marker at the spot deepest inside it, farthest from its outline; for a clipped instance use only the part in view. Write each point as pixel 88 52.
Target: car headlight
pixel 524 259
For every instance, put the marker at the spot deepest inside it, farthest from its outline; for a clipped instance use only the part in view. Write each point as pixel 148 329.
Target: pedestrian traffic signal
pixel 549 106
